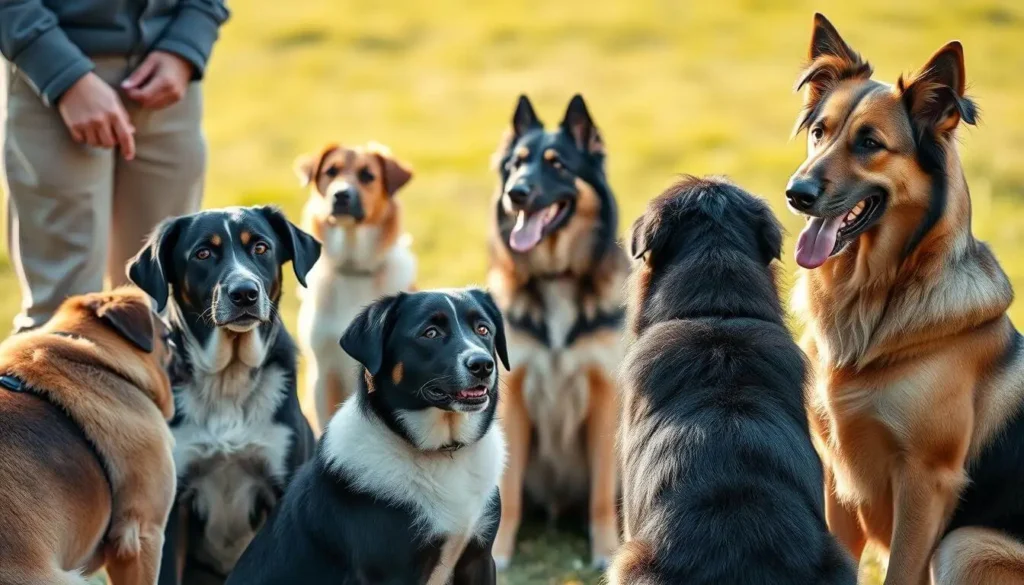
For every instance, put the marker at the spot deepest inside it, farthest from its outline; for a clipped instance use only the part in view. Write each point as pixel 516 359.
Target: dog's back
pixel 721 483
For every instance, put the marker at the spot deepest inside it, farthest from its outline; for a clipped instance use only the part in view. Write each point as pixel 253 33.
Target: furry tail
pixel 633 565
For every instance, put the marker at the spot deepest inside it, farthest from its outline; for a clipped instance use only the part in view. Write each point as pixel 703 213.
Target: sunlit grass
pixel 696 87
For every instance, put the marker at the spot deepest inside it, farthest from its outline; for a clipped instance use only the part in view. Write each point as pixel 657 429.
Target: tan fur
pixel 978 556
pixel 360 261
pixel 903 347
pixel 633 558
pixel 120 397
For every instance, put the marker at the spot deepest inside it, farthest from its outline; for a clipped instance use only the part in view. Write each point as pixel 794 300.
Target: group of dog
pixel 740 458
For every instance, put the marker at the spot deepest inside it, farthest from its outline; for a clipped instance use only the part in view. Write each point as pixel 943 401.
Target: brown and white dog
pixel 557 272
pixel 352 210
pixel 86 470
pixel 918 406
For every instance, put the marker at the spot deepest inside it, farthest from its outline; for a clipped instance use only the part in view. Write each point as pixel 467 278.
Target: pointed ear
pixel 307 166
pixel 365 337
pixel 831 61
pixel 396 173
pixel 647 237
pixel 301 248
pixel 934 96
pixel 130 318
pixel 524 119
pixel 152 268
pixel 494 314
pixel 580 126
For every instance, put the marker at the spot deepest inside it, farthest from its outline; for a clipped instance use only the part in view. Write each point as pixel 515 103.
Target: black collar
pixel 353 271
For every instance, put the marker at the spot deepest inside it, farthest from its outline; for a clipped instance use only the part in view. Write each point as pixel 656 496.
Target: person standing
pixel 103 135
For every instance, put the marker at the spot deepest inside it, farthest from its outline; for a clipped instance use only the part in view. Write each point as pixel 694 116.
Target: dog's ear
pixel 132 320
pixel 579 126
pixel 396 173
pixel 830 61
pixel 494 314
pixel 364 339
pixel 307 166
pixel 934 96
pixel 647 237
pixel 301 248
pixel 525 119
pixel 769 235
pixel 152 268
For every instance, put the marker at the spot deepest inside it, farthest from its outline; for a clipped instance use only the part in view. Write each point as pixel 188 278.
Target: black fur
pixel 721 483
pixel 170 271
pixel 327 530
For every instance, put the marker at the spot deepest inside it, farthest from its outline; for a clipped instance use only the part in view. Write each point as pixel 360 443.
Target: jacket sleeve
pixel 31 39
pixel 193 31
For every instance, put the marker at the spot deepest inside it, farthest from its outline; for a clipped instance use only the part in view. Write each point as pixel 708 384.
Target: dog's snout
pixel 519 194
pixel 480 366
pixel 802 192
pixel 344 198
pixel 244 294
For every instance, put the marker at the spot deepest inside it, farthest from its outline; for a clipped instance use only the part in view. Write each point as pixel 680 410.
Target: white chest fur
pixel 448 491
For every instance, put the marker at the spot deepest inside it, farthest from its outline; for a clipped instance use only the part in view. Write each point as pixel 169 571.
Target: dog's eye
pixel 331 172
pixel 483 330
pixel 868 143
pixel 202 253
pixel 365 176
pixel 432 333
pixel 817 133
pixel 260 248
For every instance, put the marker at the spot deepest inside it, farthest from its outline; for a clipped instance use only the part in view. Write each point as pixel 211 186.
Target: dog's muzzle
pixel 240 304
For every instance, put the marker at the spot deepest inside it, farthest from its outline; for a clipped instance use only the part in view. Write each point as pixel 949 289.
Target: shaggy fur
pixel 918 402
pixel 87 475
pixel 721 483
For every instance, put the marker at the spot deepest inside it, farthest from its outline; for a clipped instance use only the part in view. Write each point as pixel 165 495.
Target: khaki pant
pixel 76 213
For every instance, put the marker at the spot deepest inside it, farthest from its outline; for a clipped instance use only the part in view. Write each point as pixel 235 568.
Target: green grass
pixel 697 87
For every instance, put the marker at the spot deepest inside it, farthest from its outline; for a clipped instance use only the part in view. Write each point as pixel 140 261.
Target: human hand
pixel 159 81
pixel 94 115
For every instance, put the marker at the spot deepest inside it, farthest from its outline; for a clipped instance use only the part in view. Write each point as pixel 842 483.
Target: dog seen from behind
pixel 239 433
pixel 918 404
pixel 87 471
pixel 404 486
pixel 721 483
pixel 354 211
pixel 557 274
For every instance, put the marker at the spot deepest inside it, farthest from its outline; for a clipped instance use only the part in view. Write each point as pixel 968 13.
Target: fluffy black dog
pixel 721 483
pixel 404 487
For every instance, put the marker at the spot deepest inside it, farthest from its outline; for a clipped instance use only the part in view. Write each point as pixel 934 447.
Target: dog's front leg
pixel 133 554
pixel 923 497
pixel 842 520
pixel 515 419
pixel 602 422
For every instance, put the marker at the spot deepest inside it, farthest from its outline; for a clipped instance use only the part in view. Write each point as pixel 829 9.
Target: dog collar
pixel 354 271
pixel 450 447
pixel 12 383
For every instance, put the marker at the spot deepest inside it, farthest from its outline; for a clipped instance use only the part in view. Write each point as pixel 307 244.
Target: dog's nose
pixel 518 194
pixel 344 198
pixel 480 366
pixel 802 192
pixel 244 294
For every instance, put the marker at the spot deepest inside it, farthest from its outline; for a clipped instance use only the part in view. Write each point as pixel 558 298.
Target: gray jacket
pixel 50 41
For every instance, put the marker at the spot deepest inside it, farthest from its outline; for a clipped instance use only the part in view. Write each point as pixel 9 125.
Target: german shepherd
pixel 557 273
pixel 714 437
pixel 918 407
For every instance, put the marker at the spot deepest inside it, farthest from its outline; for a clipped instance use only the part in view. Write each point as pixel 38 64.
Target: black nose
pixel 343 199
pixel 244 294
pixel 803 192
pixel 480 366
pixel 518 194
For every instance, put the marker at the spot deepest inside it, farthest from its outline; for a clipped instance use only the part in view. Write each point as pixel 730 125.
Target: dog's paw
pixel 501 563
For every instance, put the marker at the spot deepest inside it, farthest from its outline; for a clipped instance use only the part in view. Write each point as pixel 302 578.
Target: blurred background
pixel 694 87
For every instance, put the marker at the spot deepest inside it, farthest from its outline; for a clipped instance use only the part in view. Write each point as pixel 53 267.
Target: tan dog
pixel 353 211
pixel 86 472
pixel 918 407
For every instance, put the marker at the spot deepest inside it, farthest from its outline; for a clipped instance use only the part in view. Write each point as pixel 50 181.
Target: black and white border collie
pixel 404 486
pixel 238 429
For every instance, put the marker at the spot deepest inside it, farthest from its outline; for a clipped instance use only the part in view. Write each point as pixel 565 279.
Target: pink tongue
pixel 528 231
pixel 817 241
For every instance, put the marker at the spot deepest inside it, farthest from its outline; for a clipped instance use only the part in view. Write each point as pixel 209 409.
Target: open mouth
pixel 472 396
pixel 241 324
pixel 824 237
pixel 531 227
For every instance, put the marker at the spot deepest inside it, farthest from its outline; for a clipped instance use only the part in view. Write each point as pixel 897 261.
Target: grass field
pixel 697 87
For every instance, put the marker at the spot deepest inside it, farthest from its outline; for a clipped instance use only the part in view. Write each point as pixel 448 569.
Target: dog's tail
pixel 633 565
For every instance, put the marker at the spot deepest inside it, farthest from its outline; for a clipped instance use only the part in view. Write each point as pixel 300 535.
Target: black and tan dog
pixel 86 471
pixel 404 487
pixel 239 433
pixel 721 483
pixel 918 406
pixel 557 274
